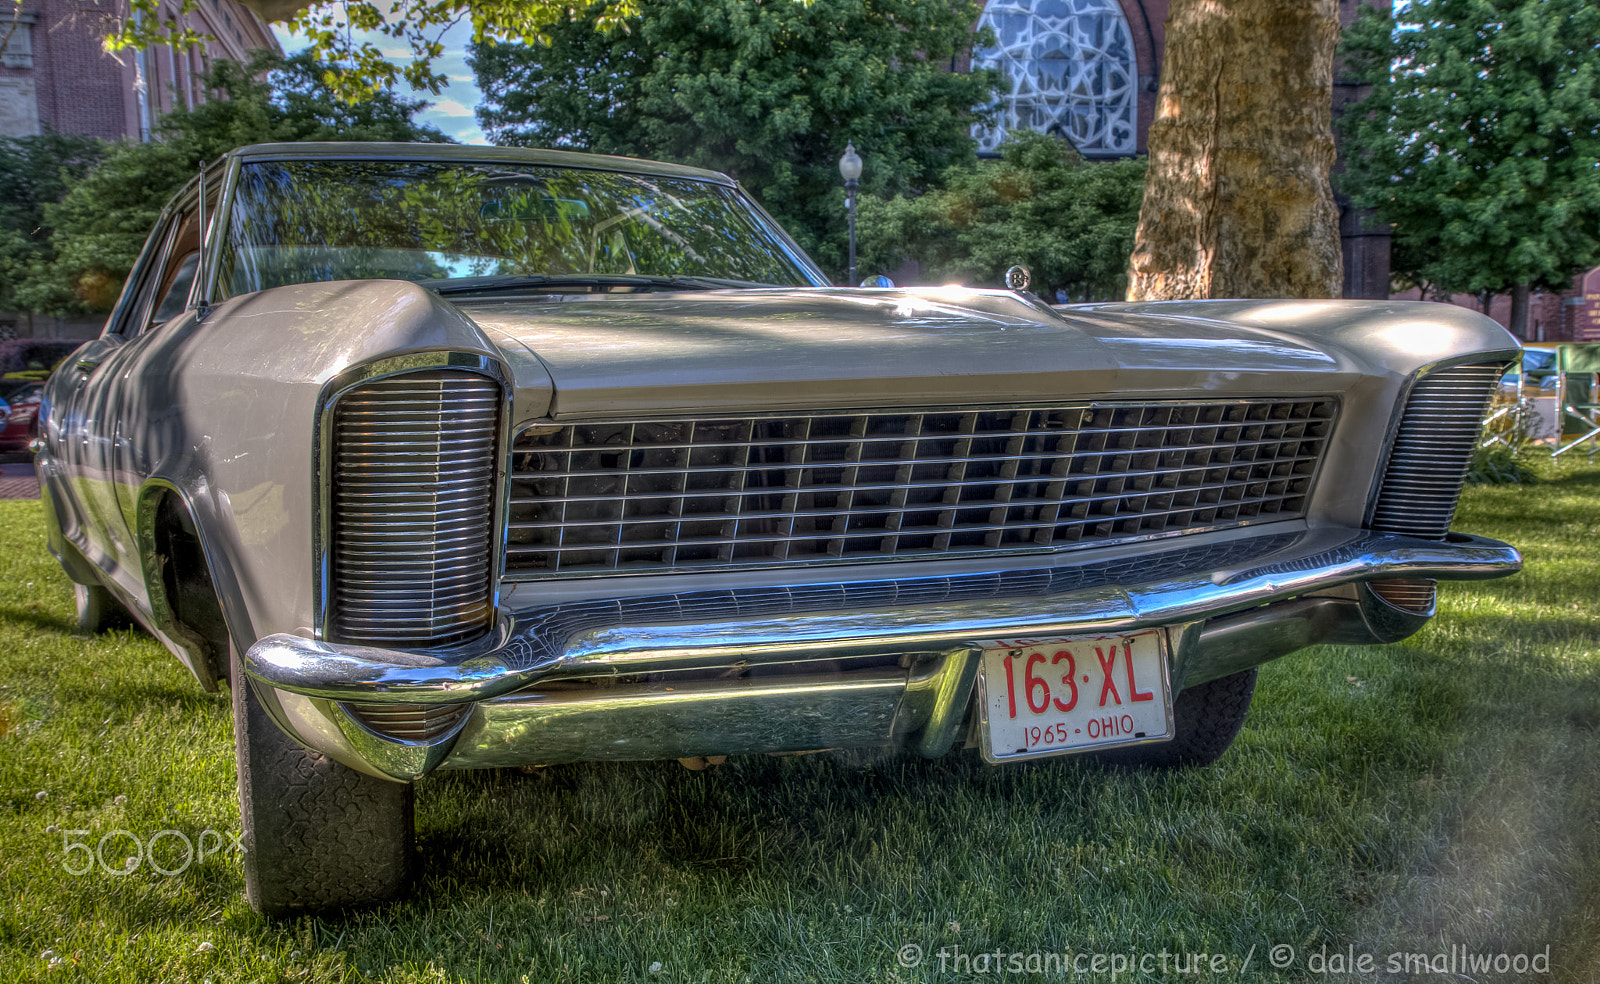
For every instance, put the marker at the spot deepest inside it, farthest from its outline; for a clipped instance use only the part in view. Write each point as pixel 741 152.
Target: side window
pixel 168 283
pixel 170 288
pixel 151 278
pixel 177 292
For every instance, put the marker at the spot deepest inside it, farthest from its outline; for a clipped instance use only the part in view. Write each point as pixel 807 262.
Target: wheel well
pixel 183 579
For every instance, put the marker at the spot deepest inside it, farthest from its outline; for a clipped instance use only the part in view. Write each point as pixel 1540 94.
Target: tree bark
pixel 1237 201
pixel 1519 311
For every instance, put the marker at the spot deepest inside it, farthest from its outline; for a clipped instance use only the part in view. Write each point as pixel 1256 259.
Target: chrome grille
pixel 411 508
pixel 670 494
pixel 1411 594
pixel 1428 462
pixel 410 722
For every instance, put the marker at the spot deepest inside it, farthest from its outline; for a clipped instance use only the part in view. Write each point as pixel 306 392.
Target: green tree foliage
pixel 349 65
pixel 1069 221
pixel 99 226
pixel 35 172
pixel 1479 141
pixel 767 92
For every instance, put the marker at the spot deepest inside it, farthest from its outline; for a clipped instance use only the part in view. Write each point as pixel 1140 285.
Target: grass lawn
pixel 1401 799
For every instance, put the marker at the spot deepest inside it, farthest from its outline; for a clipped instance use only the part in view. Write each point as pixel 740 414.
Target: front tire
pixel 318 836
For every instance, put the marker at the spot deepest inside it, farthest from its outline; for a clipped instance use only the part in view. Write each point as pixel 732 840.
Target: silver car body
pixel 218 426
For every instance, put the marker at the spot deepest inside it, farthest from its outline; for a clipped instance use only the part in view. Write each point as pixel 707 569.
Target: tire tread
pixel 318 835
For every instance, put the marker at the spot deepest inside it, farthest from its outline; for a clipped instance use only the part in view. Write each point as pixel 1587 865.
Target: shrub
pixel 23 354
pixel 1513 434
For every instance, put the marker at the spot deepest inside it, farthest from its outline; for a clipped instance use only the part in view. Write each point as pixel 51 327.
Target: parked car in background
pixel 1537 370
pixel 450 457
pixel 19 411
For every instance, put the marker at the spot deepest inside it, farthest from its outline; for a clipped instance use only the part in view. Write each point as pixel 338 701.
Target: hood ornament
pixel 1018 278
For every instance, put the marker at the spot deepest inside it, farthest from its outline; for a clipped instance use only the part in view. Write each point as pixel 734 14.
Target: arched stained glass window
pixel 1068 68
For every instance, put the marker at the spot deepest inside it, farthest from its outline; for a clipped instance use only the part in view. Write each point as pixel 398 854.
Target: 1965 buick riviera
pixel 461 458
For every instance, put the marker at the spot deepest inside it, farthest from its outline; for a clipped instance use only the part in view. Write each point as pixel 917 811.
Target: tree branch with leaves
pixel 356 68
pixel 1480 142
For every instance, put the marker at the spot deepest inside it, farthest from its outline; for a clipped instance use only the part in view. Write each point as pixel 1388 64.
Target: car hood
pixel 816 348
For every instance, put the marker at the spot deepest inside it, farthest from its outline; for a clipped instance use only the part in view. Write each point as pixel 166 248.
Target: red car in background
pixel 18 421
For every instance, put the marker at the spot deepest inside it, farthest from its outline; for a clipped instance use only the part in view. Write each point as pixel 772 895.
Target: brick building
pixel 1572 315
pixel 55 73
pixel 1089 71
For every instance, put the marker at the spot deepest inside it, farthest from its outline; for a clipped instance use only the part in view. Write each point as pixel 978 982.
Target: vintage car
pixel 19 410
pixel 466 458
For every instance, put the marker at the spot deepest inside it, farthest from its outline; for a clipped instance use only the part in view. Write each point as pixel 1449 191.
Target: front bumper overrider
pixel 851 664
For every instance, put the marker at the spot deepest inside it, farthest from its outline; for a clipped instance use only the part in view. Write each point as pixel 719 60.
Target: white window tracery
pixel 1068 68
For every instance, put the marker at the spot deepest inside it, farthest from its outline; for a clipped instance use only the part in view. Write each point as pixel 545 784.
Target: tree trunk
pixel 1519 311
pixel 1237 201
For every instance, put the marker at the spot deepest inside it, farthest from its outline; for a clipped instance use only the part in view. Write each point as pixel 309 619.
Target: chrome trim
pixel 1233 643
pixel 323 443
pixel 801 258
pixel 197 289
pixel 211 255
pixel 651 721
pixel 528 649
pixel 1414 596
pixel 1383 621
pixel 398 758
pixel 936 699
pixel 422 723
pixel 923 706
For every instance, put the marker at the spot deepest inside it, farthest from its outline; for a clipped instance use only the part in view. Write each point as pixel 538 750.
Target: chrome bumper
pixel 852 664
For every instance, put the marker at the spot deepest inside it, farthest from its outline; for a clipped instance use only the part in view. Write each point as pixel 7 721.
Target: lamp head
pixel 850 163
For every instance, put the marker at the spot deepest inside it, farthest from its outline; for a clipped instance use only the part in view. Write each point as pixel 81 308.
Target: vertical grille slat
pixel 625 496
pixel 411 509
pixel 1427 464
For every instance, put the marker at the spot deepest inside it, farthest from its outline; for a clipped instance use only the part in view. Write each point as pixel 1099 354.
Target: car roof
pixel 354 150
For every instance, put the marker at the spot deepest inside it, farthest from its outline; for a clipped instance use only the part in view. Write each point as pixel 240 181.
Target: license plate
pixel 1056 696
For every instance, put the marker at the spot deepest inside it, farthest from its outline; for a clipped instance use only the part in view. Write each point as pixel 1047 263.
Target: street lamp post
pixel 850 170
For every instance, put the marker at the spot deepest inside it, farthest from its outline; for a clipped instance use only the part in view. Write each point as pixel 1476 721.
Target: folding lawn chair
pixel 1578 393
pixel 1519 414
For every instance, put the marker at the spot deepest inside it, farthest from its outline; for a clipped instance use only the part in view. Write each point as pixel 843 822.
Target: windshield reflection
pixel 314 221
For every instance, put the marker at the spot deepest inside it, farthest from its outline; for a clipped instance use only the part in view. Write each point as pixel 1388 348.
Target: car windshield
pixel 319 220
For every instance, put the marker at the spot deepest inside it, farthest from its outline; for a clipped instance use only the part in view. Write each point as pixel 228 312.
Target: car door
pixel 86 424
pixel 109 411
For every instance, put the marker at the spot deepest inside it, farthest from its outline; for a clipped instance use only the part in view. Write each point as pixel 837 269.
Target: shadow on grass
pixel 37 620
